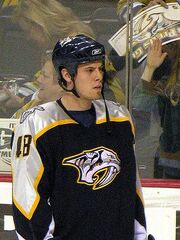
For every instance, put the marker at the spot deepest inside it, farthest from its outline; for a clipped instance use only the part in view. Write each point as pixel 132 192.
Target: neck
pixel 71 102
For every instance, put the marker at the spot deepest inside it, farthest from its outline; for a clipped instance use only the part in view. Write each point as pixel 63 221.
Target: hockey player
pixel 74 169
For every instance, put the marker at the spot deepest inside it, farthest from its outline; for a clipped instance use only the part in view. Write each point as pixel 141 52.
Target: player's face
pixel 89 80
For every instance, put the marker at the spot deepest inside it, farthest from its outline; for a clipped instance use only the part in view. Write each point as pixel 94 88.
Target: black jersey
pixel 72 182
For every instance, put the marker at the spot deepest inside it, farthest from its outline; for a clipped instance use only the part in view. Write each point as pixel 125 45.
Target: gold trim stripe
pixel 52 125
pixel 29 214
pixel 117 119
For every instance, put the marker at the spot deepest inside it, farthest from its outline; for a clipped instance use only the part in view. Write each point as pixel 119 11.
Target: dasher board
pixel 6 127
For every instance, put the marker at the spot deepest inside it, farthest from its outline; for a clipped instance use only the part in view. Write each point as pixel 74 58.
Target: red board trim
pixel 146 182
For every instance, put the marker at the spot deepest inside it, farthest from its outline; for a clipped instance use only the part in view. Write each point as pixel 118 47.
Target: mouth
pixel 99 87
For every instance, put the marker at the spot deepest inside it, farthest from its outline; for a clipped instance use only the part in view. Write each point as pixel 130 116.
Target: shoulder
pixel 38 112
pixel 40 117
pixel 114 108
pixel 117 112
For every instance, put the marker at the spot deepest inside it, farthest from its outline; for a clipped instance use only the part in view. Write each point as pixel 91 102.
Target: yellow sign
pixel 156 21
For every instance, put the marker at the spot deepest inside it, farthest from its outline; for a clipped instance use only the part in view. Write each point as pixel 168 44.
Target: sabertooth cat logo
pixel 96 167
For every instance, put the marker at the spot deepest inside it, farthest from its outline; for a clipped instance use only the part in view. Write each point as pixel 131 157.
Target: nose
pixel 99 74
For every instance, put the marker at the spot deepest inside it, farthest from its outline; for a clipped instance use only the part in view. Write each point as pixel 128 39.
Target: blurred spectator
pixel 15 86
pixel 145 110
pixel 122 12
pixel 47 21
pixel 160 85
pixel 49 88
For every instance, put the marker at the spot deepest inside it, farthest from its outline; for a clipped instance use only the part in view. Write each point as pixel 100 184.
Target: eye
pixel 90 70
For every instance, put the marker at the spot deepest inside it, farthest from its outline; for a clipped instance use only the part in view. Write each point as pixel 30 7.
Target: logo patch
pixel 96 51
pixel 28 112
pixel 96 167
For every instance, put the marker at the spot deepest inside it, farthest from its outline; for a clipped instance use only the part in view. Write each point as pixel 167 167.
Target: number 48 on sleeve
pixel 23 145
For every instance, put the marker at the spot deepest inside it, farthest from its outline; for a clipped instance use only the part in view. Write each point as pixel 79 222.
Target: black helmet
pixel 72 51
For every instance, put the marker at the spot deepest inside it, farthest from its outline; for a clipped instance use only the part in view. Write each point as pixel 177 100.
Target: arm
pixel 140 232
pixel 155 58
pixel 31 184
pixel 143 100
pixel 144 95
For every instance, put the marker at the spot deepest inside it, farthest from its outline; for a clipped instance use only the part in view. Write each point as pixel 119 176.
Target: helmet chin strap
pixel 74 89
pixel 106 109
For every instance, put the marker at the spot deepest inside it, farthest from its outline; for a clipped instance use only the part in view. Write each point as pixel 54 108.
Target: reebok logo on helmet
pixel 96 51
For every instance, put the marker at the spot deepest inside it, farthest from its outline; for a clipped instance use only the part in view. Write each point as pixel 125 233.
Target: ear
pixel 65 74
